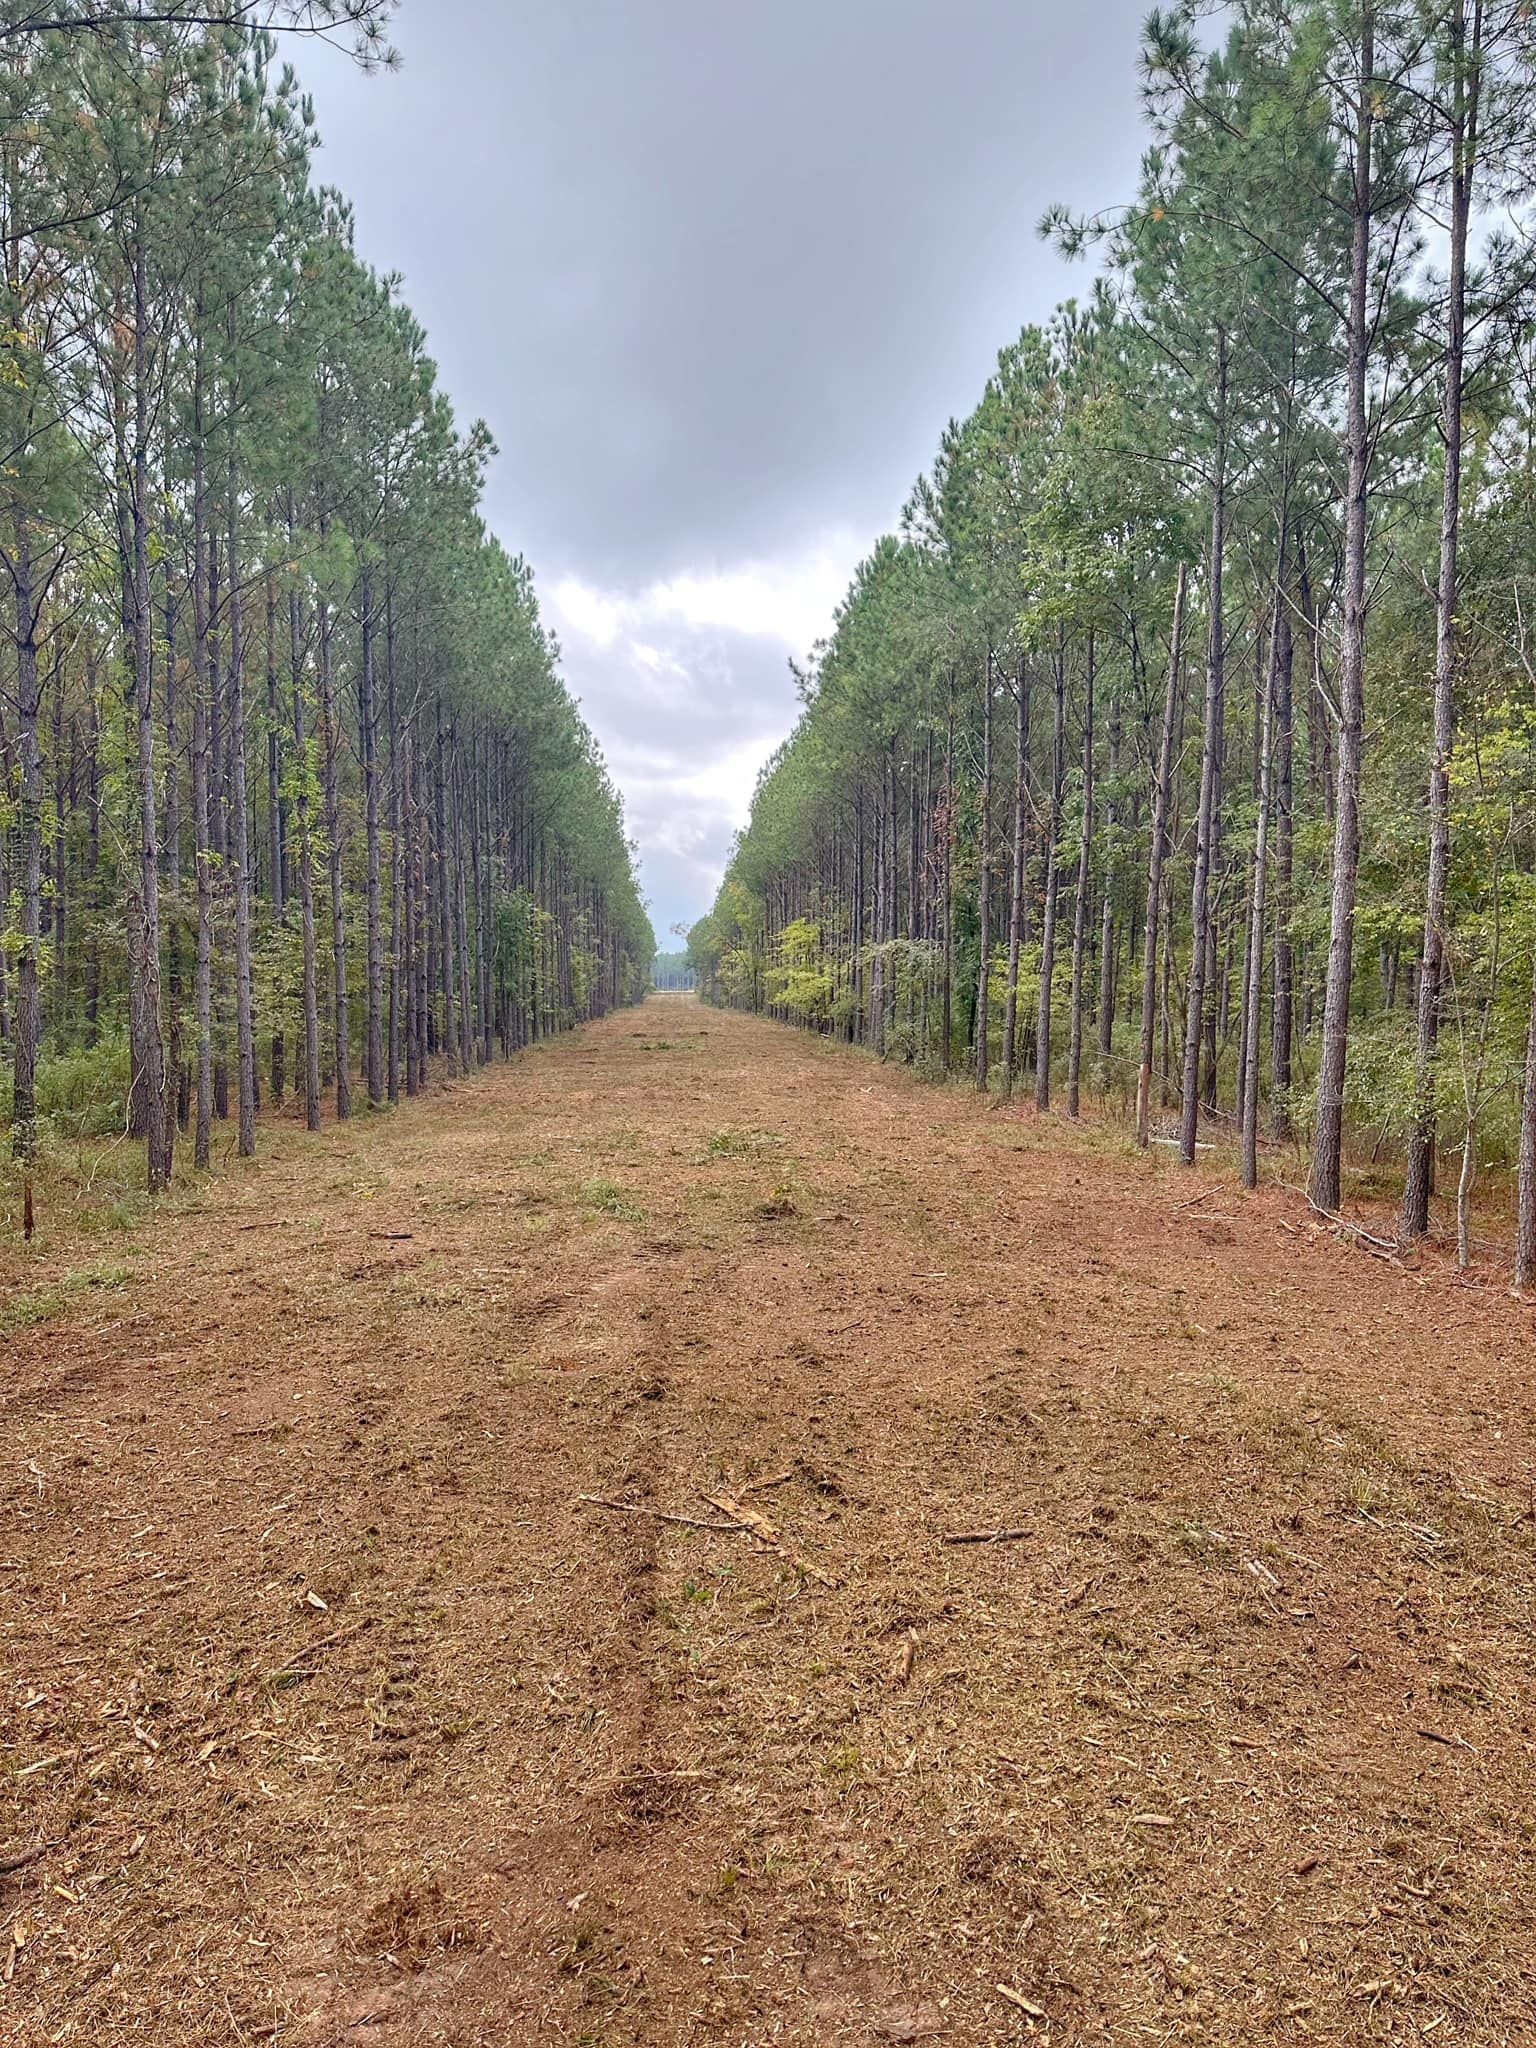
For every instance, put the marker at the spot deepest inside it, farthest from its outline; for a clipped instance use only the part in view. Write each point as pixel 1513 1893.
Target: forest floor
pixel 339 1715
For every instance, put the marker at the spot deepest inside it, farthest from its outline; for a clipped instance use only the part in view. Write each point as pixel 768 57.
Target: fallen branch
pixel 757 1524
pixel 1450 1741
pixel 12 1864
pixel 1205 1197
pixel 763 1485
pixel 340 1635
pixel 621 1507
pixel 987 1536
pixel 1386 1247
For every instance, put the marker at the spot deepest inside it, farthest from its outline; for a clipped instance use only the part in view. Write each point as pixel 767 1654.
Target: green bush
pixel 82 1093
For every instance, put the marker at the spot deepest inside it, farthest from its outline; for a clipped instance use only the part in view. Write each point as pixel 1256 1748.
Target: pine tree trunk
pixel 202 844
pixel 412 920
pixel 443 879
pixel 28 1019
pixel 176 1076
pixel 92 872
pixel 218 837
pixel 1328 1146
pixel 1155 860
pixel 949 886
pixel 330 754
pixel 306 867
pixel 1052 888
pixel 1107 949
pixel 397 917
pixel 1414 1218
pixel 245 1022
pixel 984 888
pixel 1080 907
pixel 277 842
pixel 1210 769
pixel 1253 989
pixel 1525 1224
pixel 1020 873
pixel 466 1010
pixel 144 945
pixel 1284 1005
pixel 373 1042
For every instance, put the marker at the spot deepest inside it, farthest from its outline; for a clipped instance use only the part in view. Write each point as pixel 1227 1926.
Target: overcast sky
pixel 716 274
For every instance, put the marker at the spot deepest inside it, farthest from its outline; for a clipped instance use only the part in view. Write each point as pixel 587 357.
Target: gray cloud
pixel 716 277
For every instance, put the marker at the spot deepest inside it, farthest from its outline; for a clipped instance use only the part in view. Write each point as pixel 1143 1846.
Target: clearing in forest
pixel 337 1709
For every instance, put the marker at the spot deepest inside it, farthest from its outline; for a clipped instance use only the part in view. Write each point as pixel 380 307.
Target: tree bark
pixel 1107 948
pixel 1284 1004
pixel 330 754
pixel 373 1043
pixel 1328 1145
pixel 27 1025
pixel 1255 974
pixel 144 946
pixel 1081 906
pixel 1419 1182
pixel 1052 885
pixel 1155 860
pixel 305 866
pixel 1020 873
pixel 277 840
pixel 1210 770
pixel 984 887
pixel 1525 1225
pixel 245 1020
pixel 202 843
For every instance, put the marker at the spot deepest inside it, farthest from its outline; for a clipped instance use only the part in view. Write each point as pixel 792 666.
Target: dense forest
pixel 295 803
pixel 671 973
pixel 1179 745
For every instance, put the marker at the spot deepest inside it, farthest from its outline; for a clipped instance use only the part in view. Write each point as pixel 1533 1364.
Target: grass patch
pixel 27 1311
pixel 607 1198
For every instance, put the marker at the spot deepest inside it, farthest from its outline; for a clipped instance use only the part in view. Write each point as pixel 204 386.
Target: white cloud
pixel 685 682
pixel 587 611
pixel 789 598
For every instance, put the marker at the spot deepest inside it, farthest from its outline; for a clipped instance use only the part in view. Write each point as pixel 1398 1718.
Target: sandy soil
pixel 339 1715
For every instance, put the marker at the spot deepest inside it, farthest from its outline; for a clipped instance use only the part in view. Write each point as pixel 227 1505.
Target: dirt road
pixel 345 1718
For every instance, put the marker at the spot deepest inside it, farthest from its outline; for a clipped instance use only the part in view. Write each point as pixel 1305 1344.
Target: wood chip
pixel 763 1485
pixel 624 1507
pixel 1153 1820
pixel 1036 2012
pixel 744 1517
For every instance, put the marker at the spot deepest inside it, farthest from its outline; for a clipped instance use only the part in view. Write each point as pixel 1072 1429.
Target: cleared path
pixel 347 1719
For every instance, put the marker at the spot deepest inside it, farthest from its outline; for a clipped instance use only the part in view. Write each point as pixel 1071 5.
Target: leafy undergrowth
pixel 337 1714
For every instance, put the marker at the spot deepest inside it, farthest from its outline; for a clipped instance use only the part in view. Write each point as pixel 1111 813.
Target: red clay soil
pixel 337 1714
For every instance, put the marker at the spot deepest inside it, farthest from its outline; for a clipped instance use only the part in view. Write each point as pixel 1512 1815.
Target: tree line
pixel 1180 741
pixel 294 801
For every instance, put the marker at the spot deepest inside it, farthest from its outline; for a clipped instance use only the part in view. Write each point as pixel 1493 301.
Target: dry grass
pixel 345 1720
